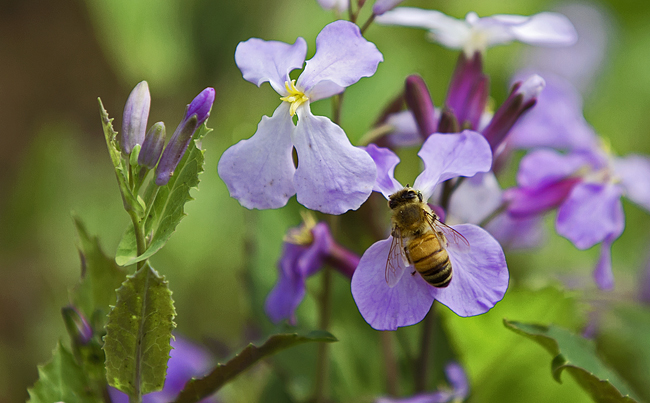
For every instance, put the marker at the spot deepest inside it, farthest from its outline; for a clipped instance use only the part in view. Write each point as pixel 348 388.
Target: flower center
pixel 295 97
pixel 302 235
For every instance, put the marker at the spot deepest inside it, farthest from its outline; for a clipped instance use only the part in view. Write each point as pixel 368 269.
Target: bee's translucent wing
pixel 453 237
pixel 396 261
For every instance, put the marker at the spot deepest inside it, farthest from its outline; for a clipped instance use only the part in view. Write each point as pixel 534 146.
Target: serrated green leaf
pixel 197 389
pixel 576 355
pixel 62 380
pixel 129 200
pixel 100 276
pixel 168 207
pixel 138 333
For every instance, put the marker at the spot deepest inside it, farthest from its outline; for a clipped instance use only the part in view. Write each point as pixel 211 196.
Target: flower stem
pixel 367 23
pixel 138 229
pixel 422 362
pixel 390 362
pixel 322 359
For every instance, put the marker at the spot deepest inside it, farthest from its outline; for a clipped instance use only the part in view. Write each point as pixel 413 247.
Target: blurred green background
pixel 58 56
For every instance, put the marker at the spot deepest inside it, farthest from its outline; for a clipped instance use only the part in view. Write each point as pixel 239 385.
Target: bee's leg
pixel 413 274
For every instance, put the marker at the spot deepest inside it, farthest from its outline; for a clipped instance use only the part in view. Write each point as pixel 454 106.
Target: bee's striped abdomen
pixel 430 260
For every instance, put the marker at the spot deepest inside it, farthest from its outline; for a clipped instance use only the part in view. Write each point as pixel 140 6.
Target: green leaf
pixel 130 201
pixel 100 277
pixel 62 380
pixel 168 204
pixel 197 389
pixel 576 355
pixel 138 333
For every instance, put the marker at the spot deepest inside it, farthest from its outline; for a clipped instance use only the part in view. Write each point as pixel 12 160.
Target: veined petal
pixel 383 307
pixel 548 29
pixel 446 156
pixel 591 213
pixel 480 277
pixel 543 167
pixel 259 171
pixel 447 30
pixel 475 199
pixel 634 172
pixel 332 176
pixel 272 61
pixel 343 56
pixel 386 160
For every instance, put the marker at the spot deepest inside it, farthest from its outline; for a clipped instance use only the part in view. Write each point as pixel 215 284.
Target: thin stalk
pixel 390 362
pixel 502 207
pixel 138 229
pixel 337 102
pixel 322 359
pixel 426 342
pixel 367 23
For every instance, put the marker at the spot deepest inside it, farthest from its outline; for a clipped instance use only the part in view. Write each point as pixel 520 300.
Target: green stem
pixel 322 359
pixel 138 229
pixel 390 361
pixel 367 23
pixel 422 363
pixel 493 214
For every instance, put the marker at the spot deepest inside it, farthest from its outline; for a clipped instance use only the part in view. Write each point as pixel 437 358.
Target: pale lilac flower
pixel 338 5
pixel 306 249
pixel 457 393
pixel 332 176
pixel 480 275
pixel 474 34
pixel 586 187
pixel 136 114
pixel 382 6
pixel 186 360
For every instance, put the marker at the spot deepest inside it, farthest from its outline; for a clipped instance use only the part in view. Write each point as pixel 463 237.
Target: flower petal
pixel 272 61
pixel 289 290
pixel 343 56
pixel 475 199
pixel 446 156
pixel 383 307
pixel 386 160
pixel 591 213
pixel 405 129
pixel 332 176
pixel 634 171
pixel 603 275
pixel 547 28
pixel 259 171
pixel 517 232
pixel 480 277
pixel 526 202
pixel 543 167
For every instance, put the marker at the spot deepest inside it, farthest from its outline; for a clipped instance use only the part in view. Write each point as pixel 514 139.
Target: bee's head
pixel 406 195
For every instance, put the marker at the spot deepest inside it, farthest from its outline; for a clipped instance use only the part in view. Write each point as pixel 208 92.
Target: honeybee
pixel 420 239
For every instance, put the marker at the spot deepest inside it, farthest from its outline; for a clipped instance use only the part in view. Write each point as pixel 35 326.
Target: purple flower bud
pixel 448 122
pixel 419 102
pixel 468 91
pixel 77 325
pixel 381 6
pixel 522 97
pixel 136 113
pixel 152 146
pixel 197 112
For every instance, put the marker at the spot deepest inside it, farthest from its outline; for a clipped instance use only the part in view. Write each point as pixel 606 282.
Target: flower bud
pixel 468 91
pixel 419 102
pixel 197 112
pixel 134 120
pixel 381 6
pixel 522 97
pixel 77 325
pixel 152 146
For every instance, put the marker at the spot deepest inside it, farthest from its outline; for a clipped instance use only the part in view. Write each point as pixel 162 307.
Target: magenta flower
pixel 186 360
pixel 457 393
pixel 480 275
pixel 332 176
pixel 586 187
pixel 306 249
pixel 474 34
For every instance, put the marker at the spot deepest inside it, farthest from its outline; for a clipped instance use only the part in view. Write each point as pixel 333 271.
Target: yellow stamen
pixel 295 97
pixel 302 235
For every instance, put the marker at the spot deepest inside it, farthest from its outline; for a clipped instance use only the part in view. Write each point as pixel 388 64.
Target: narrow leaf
pixel 138 333
pixel 578 356
pixel 100 276
pixel 62 380
pixel 168 204
pixel 197 389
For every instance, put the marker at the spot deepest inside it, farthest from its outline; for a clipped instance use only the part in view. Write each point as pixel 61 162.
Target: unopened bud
pixel 468 91
pixel 152 147
pixel 134 120
pixel 381 6
pixel 419 102
pixel 522 97
pixel 201 106
pixel 77 325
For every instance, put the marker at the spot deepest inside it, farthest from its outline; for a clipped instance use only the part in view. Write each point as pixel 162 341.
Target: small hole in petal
pixel 294 155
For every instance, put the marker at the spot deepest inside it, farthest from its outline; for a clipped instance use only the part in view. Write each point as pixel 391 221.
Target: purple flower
pixel 586 187
pixel 468 91
pixel 134 120
pixel 197 112
pixel 186 360
pixel 338 5
pixel 458 392
pixel 306 249
pixel 152 146
pixel 480 276
pixel 474 34
pixel 382 6
pixel 332 175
